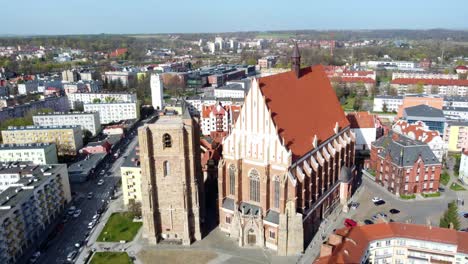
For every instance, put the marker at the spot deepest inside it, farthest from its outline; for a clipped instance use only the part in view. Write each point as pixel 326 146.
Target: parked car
pixel 383 215
pixel 95 217
pixel 354 205
pixel 72 255
pixel 100 182
pixel 379 202
pixel 376 199
pixel 35 257
pixel 441 189
pixel 375 217
pixel 394 211
pixel 465 215
pixel 71 210
pixel 349 222
pixel 78 244
pixel 368 222
pixel 90 195
pixel 77 213
pixel 102 172
pixel 92 224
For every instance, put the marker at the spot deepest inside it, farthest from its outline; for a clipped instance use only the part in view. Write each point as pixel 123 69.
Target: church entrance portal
pixel 251 238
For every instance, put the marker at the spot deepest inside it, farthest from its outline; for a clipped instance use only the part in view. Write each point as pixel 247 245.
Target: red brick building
pixel 286 163
pixel 405 166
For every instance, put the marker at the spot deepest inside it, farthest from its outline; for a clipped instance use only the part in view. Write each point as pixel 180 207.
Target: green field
pixel 111 257
pixel 120 226
pixel 271 35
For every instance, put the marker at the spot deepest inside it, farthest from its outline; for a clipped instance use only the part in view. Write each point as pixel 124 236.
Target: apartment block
pixel 456 136
pixel 69 139
pixel 131 178
pixel 56 103
pixel 78 99
pixel 114 111
pixel 37 153
pixel 87 120
pixel 29 206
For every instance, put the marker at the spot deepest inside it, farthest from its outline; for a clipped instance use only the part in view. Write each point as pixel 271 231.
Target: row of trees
pixel 450 218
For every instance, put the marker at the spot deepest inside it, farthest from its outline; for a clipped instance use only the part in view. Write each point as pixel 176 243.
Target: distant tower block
pixel 157 99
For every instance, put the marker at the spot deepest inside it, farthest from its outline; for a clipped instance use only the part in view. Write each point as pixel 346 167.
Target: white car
pixel 376 199
pixel 77 213
pixel 71 210
pixel 100 182
pixel 71 256
pixel 95 217
pixel 92 224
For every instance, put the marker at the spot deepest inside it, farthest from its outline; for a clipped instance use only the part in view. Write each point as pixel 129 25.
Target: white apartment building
pixel 463 172
pixel 29 206
pixel 423 75
pixel 37 153
pixel 393 64
pixel 114 112
pixel 125 77
pixel 77 99
pixel 392 103
pixel 87 121
pixel 231 90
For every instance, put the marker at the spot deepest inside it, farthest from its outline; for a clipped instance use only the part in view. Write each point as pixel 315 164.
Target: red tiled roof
pixel 302 108
pixel 418 130
pixel 461 67
pixel 361 120
pixel 357 239
pixel 430 81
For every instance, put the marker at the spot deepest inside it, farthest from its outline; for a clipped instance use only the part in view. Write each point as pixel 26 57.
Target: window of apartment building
pixel 272 234
pixel 424 185
pixel 254 186
pixel 387 243
pixel 406 187
pixel 407 179
pixel 417 178
pixel 432 176
pixel 232 179
pixel 228 219
pixel 431 185
pixel 433 168
pixel 425 177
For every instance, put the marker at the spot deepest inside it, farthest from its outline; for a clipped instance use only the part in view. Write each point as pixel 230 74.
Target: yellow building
pixel 456 136
pixel 69 139
pixel 131 178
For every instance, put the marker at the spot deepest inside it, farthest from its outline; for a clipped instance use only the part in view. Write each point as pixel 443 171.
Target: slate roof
pixel 405 151
pixel 249 209
pixel 228 203
pixel 272 217
pixel 424 111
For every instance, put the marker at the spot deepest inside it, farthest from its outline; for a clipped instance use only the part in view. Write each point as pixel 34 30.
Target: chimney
pixel 335 239
pixel 296 61
pixel 326 250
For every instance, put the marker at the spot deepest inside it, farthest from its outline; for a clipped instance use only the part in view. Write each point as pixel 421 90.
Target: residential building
pixel 70 75
pixel 171 179
pixel 30 206
pixel 456 136
pixel 218 118
pixel 392 65
pixel 78 99
pixel 124 77
pixel 75 87
pixel 86 167
pixel 455 113
pixel 69 139
pixel 101 146
pixel 409 101
pixel 279 177
pixel 419 131
pixel 366 127
pixel 114 111
pixel 89 121
pixel 157 95
pixel 463 171
pixel 195 104
pixel 36 153
pixel 443 87
pixel 404 166
pixel 27 87
pixel 395 243
pixel 231 90
pixel 88 75
pixel 267 62
pixel 56 103
pixel 434 118
pixel 423 75
pixel 131 178
pixel 391 103
pixel 461 69
pixel 456 101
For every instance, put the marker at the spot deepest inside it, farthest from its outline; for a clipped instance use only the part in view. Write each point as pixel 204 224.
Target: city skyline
pixel 145 17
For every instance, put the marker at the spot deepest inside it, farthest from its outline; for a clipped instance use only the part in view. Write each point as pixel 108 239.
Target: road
pixel 76 229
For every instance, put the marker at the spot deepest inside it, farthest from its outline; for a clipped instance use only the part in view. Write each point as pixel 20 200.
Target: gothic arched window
pixel 167 168
pixel 276 192
pixel 254 186
pixel 232 179
pixel 167 141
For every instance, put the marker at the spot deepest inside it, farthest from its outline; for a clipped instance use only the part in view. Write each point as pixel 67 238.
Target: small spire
pixel 296 60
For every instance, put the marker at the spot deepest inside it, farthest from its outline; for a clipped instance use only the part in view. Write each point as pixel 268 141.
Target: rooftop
pixel 232 86
pixel 132 160
pixel 423 111
pixel 357 239
pixel 86 164
pixel 361 120
pixel 65 113
pixel 12 128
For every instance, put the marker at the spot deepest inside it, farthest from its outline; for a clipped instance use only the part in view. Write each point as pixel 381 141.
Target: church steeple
pixel 296 60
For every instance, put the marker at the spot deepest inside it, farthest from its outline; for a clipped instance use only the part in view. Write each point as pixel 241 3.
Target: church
pixel 288 161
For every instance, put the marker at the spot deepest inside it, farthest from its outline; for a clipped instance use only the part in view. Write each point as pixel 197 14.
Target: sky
pixel 58 17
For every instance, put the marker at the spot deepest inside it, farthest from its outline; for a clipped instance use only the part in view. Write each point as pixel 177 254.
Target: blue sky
pixel 24 17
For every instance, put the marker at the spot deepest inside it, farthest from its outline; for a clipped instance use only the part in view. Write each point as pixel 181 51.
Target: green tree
pixel 134 207
pixel 357 103
pixel 450 217
pixel 96 101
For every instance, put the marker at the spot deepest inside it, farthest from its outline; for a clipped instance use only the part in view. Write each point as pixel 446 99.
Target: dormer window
pixel 167 141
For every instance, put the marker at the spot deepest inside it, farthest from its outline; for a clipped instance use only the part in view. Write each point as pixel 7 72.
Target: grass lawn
pixel 457 187
pixel 444 178
pixel 120 226
pixel 111 257
pixel 407 197
pixel 428 195
pixel 348 105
